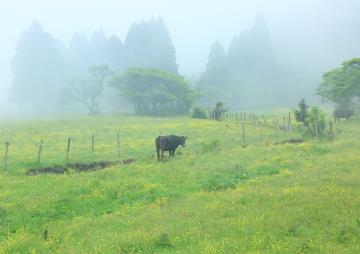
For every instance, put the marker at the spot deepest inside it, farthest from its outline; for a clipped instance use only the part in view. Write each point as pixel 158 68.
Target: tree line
pixel 47 73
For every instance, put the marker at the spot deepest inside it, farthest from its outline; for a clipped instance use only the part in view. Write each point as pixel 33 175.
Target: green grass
pixel 219 195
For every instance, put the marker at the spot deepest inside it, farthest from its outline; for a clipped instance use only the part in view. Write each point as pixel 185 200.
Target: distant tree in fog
pixel 115 53
pixel 88 89
pixel 247 73
pixel 77 55
pixel 38 69
pixel 342 85
pixel 155 92
pixel 149 45
pixel 215 79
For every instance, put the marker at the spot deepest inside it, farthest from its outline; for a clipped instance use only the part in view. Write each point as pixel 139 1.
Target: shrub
pixel 199 113
pixel 301 113
pixel 219 111
pixel 316 121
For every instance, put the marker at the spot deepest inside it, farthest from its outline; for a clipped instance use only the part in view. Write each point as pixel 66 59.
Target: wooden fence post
pixel 284 124
pixel 118 144
pixel 68 150
pixel 289 127
pixel 316 129
pixel 7 144
pixel 39 153
pixel 331 127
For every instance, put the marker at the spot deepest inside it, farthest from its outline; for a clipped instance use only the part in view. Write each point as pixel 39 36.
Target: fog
pixel 307 36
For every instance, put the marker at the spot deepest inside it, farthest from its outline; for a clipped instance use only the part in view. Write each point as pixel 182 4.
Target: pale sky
pixel 318 33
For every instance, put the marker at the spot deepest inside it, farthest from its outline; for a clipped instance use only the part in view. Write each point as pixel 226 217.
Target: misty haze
pixel 179 126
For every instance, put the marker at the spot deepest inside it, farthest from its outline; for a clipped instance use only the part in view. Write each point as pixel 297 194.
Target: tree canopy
pixel 88 88
pixel 155 92
pixel 341 85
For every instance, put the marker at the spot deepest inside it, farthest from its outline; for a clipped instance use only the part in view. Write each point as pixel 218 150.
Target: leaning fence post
pixel 7 144
pixel 316 129
pixel 118 144
pixel 39 153
pixel 92 145
pixel 68 150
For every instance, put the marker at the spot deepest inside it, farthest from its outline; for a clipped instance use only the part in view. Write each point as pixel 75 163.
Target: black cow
pixel 343 113
pixel 168 143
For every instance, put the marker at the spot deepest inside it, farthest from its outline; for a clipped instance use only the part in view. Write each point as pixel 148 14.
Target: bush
pixel 219 111
pixel 301 113
pixel 199 113
pixel 316 121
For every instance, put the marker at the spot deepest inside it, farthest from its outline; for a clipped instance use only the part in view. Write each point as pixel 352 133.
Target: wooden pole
pixel 316 129
pixel 331 127
pixel 284 124
pixel 39 153
pixel 118 144
pixel 289 127
pixel 68 150
pixel 7 144
pixel 265 123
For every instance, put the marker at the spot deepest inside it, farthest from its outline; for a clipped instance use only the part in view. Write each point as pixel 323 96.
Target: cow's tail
pixel 157 140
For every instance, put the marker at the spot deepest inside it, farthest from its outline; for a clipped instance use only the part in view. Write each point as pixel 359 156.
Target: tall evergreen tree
pixel 38 69
pixel 248 71
pixel 78 55
pixel 115 54
pixel 99 48
pixel 149 45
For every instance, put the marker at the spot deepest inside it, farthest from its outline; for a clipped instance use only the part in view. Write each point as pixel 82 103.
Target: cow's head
pixel 182 140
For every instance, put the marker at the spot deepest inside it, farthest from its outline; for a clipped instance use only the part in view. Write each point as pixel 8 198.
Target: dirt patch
pixel 78 167
pixel 290 141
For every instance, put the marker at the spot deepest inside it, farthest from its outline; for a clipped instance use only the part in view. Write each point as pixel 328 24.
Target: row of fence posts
pixel 67 156
pixel 251 118
pixel 287 128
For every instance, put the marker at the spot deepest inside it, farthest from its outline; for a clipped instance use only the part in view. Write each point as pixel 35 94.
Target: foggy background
pixel 311 36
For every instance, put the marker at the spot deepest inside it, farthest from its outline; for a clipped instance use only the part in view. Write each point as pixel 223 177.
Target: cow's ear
pixel 185 137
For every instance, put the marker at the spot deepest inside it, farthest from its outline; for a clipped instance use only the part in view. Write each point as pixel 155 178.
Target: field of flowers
pixel 220 194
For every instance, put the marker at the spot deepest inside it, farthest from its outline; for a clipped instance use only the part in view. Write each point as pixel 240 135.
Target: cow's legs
pixel 158 153
pixel 162 154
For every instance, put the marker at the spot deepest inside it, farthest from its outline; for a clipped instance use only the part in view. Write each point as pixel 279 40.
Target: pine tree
pixel 149 45
pixel 38 69
pixel 78 55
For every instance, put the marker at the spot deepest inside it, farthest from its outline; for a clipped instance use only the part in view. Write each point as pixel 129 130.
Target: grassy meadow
pixel 220 194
